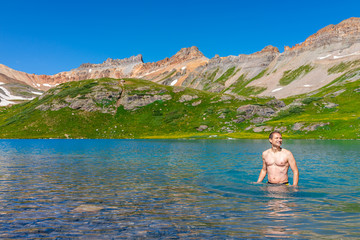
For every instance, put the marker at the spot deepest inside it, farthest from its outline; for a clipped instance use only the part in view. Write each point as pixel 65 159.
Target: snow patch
pixel 173 82
pixel 4 102
pixel 6 99
pixel 47 85
pixel 90 70
pixel 183 68
pixel 276 89
pixel 324 57
pixel 37 93
pixel 348 55
pixel 38 85
pixel 307 85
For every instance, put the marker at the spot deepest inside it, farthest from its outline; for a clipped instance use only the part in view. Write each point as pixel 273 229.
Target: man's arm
pixel 263 171
pixel 294 168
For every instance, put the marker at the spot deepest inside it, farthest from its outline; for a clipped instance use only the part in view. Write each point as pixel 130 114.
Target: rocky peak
pixel 347 29
pixel 269 49
pixel 187 54
pixel 113 63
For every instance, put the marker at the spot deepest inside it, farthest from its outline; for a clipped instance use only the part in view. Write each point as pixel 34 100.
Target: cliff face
pixel 299 69
pixel 347 31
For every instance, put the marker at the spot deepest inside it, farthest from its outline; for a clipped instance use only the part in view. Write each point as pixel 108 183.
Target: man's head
pixel 275 138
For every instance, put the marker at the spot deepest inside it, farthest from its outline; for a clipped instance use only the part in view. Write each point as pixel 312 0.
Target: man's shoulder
pixel 266 151
pixel 286 151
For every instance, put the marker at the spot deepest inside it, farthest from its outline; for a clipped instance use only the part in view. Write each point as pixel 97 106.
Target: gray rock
pixel 337 93
pixel 186 98
pixel 202 128
pixel 262 129
pixel 331 105
pixel 239 119
pixel 251 110
pixel 249 127
pixel 178 89
pixel 259 120
pixel 222 116
pixel 131 102
pixel 196 103
pixel 297 126
pixel 276 103
pixel 268 128
pixel 281 129
pixel 313 127
pixel 258 129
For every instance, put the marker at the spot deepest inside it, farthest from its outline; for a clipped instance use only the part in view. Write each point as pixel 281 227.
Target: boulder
pixel 297 126
pixel 239 119
pixel 196 103
pixel 251 110
pixel 280 129
pixel 276 103
pixel 202 128
pixel 331 105
pixel 259 120
pixel 131 102
pixel 186 98
pixel 314 126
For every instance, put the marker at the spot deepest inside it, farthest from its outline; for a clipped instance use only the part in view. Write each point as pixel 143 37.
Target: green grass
pixel 343 66
pixel 240 88
pixel 172 119
pixel 310 100
pixel 289 76
pixel 226 75
pixel 169 75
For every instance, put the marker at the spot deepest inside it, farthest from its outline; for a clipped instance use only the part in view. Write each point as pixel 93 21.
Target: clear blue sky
pixel 47 37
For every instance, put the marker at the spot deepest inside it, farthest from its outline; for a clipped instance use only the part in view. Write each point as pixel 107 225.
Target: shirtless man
pixel 276 162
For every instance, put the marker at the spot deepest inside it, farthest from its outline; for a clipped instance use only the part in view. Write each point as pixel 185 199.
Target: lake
pixel 175 189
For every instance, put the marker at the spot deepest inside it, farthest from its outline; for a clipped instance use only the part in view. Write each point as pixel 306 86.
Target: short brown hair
pixel 272 133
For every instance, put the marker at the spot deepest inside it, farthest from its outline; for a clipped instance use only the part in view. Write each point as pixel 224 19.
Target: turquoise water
pixel 175 189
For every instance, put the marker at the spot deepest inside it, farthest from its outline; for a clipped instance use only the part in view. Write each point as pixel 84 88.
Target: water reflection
pixel 279 208
pixel 137 189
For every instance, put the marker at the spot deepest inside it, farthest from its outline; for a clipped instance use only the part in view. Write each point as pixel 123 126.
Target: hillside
pixel 134 108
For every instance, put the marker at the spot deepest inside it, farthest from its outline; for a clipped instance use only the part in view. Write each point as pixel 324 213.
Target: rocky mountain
pixel 300 69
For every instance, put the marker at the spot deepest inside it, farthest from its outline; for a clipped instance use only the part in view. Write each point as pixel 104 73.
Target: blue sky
pixel 47 37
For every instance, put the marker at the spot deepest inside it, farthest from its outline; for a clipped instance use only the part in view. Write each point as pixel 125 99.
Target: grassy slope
pixel 173 119
pixel 159 119
pixel 344 120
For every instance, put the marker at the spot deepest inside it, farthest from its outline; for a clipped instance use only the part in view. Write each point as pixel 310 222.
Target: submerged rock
pixel 88 208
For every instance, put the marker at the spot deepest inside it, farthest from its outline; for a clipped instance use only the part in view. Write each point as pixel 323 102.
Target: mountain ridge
pixel 258 74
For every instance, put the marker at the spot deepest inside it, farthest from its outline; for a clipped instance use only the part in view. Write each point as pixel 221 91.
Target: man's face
pixel 276 140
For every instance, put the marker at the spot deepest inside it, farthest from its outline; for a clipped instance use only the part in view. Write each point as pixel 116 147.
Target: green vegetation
pixel 226 75
pixel 172 118
pixel 310 100
pixel 290 76
pixel 251 91
pixel 343 66
pixel 169 75
pixel 240 88
pixel 212 76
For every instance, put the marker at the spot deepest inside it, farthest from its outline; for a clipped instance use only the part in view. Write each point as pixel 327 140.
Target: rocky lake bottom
pixel 175 189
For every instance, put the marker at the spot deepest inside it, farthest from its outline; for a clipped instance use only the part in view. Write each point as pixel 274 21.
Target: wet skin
pixel 276 163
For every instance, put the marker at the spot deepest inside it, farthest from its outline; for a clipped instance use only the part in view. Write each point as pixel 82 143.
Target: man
pixel 276 162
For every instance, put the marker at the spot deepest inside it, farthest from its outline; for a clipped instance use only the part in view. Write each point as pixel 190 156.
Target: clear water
pixel 175 189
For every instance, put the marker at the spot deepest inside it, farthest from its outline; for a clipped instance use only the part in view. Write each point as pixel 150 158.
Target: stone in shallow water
pixel 88 208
